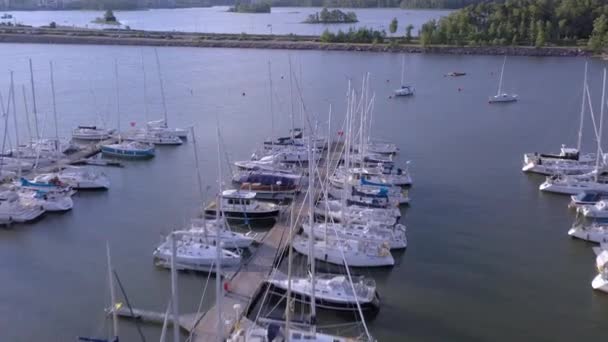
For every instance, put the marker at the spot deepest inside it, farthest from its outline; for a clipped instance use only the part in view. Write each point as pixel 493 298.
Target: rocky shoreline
pixel 243 41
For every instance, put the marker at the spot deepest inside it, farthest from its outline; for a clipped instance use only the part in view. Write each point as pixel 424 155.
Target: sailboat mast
pixel 402 69
pixel 289 267
pixel 174 293
pixel 291 99
pixel 35 109
pixel 311 254
pixel 112 293
pixel 580 127
pixel 27 114
pixel 117 99
pixel 218 245
pixel 145 88
pixel 12 99
pixel 599 140
pixel 54 108
pixel 198 178
pixel 502 71
pixel 271 109
pixel 162 88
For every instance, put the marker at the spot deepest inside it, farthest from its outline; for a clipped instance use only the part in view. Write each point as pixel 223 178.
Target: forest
pixel 523 22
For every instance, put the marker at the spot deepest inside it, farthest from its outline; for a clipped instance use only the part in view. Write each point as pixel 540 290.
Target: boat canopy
pixel 240 194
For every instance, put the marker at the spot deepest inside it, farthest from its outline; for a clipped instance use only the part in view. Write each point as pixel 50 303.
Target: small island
pixel 331 17
pixel 108 19
pixel 241 7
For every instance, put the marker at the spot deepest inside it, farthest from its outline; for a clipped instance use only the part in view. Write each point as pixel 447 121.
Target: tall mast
pixel 271 109
pixel 112 293
pixel 198 178
pixel 501 74
pixel 402 69
pixel 580 127
pixel 174 293
pixel 12 99
pixel 289 267
pixel 27 114
pixel 599 140
pixel 117 99
pixel 35 109
pixel 143 71
pixel 162 88
pixel 54 109
pixel 291 99
pixel 311 254
pixel 218 247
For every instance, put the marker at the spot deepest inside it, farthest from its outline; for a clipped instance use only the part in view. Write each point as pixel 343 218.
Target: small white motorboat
pixel 594 232
pixel 587 198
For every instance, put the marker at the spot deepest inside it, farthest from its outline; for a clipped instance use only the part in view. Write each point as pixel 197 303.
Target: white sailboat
pixel 404 90
pixel 393 236
pixel 502 97
pixel 209 231
pixel 77 178
pixel 13 209
pixel 569 161
pixel 94 133
pixel 593 232
pixel 126 149
pixel 597 180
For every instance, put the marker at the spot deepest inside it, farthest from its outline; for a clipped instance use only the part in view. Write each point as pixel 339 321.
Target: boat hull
pixel 129 154
pixel 600 284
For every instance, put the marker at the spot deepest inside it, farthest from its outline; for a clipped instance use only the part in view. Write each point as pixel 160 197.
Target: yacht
pixel 160 126
pixel 335 209
pixel 587 198
pixel 129 149
pixel 404 90
pixel 393 236
pixel 567 162
pixel 194 254
pixel 356 253
pixel 13 209
pixel 502 97
pixel 242 205
pixel 594 232
pixel 575 184
pixel 599 210
pixel 153 137
pixel 600 282
pixel 76 178
pixel 91 133
pixel 208 230
pixel 332 291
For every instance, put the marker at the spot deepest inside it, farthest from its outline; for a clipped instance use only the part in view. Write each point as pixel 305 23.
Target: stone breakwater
pixel 244 41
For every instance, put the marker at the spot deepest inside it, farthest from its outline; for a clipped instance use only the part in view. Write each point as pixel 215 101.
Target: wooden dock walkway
pixel 245 283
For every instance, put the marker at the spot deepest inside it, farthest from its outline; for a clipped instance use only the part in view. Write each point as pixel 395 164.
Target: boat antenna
pixel 162 88
pixel 34 109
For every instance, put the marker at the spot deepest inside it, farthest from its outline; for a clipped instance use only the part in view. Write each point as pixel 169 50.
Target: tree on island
pixel 392 27
pixel 599 36
pixel 408 33
pixel 109 16
pixel 331 17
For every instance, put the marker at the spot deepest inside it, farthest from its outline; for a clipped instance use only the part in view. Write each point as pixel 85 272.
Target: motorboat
pixel 353 253
pixel 594 232
pixel 332 291
pixel 193 254
pixel 242 205
pixel 268 185
pixel 91 133
pixel 129 149
pixel 13 209
pixel 599 210
pixel 77 178
pixel 600 282
pixel 394 236
pixel 587 198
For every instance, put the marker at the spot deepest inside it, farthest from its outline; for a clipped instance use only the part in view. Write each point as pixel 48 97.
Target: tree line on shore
pixel 523 22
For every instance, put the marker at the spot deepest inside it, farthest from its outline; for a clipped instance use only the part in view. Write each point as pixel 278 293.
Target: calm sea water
pixel 282 20
pixel 488 259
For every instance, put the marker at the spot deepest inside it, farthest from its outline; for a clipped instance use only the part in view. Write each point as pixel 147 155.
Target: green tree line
pixel 522 22
pixel 377 3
